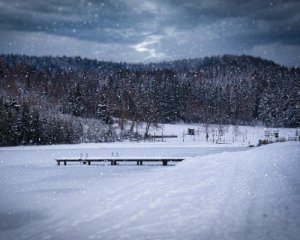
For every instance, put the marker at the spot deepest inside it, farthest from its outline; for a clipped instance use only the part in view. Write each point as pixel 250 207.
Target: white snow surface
pixel 218 192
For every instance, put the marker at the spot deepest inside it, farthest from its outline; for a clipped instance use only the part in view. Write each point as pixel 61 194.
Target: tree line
pixel 223 90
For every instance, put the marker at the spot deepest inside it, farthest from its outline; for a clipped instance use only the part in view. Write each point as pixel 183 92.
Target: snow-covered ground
pixel 221 134
pixel 218 192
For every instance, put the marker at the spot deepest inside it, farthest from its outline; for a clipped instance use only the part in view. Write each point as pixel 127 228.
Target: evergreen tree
pixel 4 124
pixel 36 129
pixel 76 104
pixel 26 129
pixel 102 112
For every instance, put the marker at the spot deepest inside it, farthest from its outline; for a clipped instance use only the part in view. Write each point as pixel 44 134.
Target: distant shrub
pixel 282 139
pixel 267 141
pixel 263 142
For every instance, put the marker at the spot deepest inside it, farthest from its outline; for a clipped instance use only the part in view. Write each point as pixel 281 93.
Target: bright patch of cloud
pixel 149 48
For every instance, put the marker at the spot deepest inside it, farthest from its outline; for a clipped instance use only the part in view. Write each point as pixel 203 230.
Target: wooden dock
pixel 115 160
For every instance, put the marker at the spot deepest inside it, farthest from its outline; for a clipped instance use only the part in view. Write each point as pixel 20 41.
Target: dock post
pixel 113 162
pixel 65 162
pixel 89 162
pixel 58 163
pixel 141 162
pixel 165 162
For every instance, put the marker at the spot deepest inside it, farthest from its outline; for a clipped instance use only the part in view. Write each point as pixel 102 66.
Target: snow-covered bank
pixel 253 194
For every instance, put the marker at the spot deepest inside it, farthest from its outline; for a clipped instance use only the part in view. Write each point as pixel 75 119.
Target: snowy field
pixel 221 191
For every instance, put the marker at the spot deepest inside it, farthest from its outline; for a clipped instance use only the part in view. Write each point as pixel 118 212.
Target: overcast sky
pixel 152 30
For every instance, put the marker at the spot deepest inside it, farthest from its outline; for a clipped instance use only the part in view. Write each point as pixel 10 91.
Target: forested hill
pixel 224 90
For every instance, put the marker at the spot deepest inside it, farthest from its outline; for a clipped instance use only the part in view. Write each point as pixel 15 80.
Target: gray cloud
pixel 152 30
pixel 86 20
pixel 277 20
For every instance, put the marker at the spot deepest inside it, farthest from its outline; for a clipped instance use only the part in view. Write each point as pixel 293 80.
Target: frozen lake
pixel 45 155
pixel 219 192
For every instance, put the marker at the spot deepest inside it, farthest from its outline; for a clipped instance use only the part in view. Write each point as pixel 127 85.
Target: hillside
pixel 37 91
